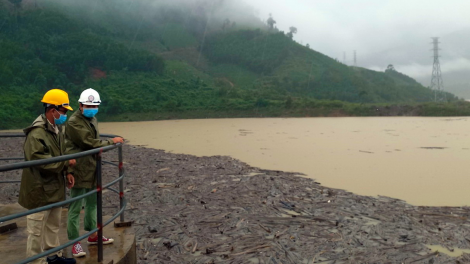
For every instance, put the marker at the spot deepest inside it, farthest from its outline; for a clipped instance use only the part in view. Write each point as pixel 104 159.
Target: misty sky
pixel 368 26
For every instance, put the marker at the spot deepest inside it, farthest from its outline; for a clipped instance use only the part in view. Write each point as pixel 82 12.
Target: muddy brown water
pixel 424 161
pixel 219 210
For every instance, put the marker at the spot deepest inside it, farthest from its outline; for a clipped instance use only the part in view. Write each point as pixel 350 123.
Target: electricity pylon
pixel 437 84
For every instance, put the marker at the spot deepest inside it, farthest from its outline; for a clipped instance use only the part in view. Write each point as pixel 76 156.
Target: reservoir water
pixel 423 160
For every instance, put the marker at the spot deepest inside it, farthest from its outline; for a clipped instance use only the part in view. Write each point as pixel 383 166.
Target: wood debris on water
pixel 189 209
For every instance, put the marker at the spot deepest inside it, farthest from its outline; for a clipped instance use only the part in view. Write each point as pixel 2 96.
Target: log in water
pixel 189 209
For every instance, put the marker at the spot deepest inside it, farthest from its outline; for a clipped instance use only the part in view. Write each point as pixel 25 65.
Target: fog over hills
pixel 185 59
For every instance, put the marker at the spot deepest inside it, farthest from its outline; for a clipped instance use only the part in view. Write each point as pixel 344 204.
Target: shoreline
pixel 302 108
pixel 322 109
pixel 221 210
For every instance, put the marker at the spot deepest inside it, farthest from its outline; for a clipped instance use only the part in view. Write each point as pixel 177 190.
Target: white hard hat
pixel 90 97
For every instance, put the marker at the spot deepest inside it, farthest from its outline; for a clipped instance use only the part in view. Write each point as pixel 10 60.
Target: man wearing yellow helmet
pixel 44 184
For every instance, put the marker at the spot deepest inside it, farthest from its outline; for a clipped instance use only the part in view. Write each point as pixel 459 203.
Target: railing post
pixel 121 182
pixel 99 208
pixel 99 194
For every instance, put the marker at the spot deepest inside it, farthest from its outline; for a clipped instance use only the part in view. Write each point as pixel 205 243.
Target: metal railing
pixel 98 191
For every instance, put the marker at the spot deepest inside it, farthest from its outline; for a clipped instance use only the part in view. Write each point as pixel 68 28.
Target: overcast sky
pixel 368 26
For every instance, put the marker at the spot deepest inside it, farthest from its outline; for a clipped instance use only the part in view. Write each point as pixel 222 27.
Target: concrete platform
pixel 13 243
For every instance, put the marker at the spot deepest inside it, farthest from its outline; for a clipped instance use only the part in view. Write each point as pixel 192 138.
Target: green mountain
pixel 172 59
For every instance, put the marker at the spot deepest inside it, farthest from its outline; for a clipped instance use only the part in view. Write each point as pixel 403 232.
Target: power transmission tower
pixel 437 83
pixel 344 57
pixel 355 59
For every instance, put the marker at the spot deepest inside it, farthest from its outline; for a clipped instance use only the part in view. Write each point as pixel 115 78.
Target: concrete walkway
pixel 13 244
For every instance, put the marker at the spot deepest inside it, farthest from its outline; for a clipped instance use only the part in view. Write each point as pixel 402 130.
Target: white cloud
pixel 334 26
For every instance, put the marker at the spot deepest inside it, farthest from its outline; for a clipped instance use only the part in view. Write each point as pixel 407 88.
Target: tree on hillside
pixel 226 24
pixel 16 3
pixel 308 46
pixel 271 21
pixel 289 102
pixel 390 68
pixel 3 11
pixel 292 31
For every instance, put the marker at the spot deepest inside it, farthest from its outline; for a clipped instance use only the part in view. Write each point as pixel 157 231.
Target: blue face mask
pixel 90 112
pixel 61 119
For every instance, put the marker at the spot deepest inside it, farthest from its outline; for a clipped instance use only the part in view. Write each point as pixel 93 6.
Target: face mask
pixel 90 112
pixel 61 119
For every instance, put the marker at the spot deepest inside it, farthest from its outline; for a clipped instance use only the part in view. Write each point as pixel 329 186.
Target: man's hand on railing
pixel 70 181
pixel 118 140
pixel 72 163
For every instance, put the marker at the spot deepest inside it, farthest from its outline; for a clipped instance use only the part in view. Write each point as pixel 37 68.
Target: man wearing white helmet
pixel 82 134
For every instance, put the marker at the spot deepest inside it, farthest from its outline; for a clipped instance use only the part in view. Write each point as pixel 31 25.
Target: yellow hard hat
pixel 57 97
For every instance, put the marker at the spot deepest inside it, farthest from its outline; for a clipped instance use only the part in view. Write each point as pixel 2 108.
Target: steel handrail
pixel 17 181
pixel 97 191
pixel 32 163
pixel 46 207
pixel 71 242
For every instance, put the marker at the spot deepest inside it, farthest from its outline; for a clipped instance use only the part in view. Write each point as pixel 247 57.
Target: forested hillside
pixel 166 59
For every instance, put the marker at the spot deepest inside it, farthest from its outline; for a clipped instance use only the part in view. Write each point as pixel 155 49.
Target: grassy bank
pixel 288 108
pixel 318 109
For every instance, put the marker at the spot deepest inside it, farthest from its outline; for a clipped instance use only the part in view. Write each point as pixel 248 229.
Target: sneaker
pixel 94 241
pixel 60 260
pixel 77 250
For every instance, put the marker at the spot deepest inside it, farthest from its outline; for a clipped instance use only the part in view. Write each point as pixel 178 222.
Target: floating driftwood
pixel 190 209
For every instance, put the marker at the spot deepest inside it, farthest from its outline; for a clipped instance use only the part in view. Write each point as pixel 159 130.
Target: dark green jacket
pixel 82 134
pixel 45 184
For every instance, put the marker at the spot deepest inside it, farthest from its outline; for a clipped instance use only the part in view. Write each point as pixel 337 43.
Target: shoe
pixel 60 260
pixel 77 250
pixel 94 241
